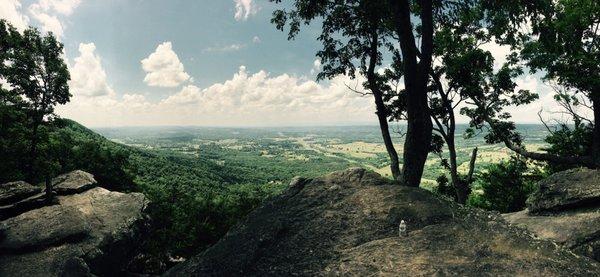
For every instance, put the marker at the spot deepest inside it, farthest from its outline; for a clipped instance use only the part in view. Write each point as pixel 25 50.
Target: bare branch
pixel 355 90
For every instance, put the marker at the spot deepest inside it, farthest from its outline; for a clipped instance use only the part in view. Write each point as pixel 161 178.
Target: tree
pixel 37 73
pixel 358 51
pixel 559 38
pixel 355 31
pixel 13 121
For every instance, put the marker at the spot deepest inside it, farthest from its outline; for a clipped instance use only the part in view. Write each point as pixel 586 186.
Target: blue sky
pixel 203 62
pixel 126 32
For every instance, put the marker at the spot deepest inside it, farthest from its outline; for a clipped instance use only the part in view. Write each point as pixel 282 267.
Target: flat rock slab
pixel 114 223
pixel 577 230
pixel 15 191
pixel 566 190
pixel 73 182
pixel 37 229
pixel 346 224
pixel 32 202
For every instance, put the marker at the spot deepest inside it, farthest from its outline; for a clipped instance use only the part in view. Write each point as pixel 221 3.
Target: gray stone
pixel 73 182
pixel 37 229
pixel 566 190
pixel 311 230
pixel 33 202
pixel 15 191
pixel 115 225
pixel 566 210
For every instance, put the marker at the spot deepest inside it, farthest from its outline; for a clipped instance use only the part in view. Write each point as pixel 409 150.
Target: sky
pixel 203 63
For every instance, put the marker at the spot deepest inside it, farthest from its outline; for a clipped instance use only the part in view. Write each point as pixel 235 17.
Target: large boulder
pixel 346 223
pixel 15 191
pixel 569 189
pixel 93 232
pixel 566 209
pixel 43 227
pixel 73 182
pixel 21 197
pixel 32 202
pixel 577 230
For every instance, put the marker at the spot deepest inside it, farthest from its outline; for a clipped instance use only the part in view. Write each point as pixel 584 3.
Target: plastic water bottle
pixel 402 229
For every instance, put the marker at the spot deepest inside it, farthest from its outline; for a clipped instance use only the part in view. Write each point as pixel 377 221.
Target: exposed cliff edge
pixel 87 230
pixel 346 223
pixel 566 209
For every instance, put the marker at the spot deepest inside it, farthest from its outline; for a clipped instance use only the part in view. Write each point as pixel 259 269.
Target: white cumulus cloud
pixel 316 67
pixel 88 78
pixel 47 12
pixel 244 9
pixel 64 7
pixel 11 11
pixel 163 67
pixel 243 100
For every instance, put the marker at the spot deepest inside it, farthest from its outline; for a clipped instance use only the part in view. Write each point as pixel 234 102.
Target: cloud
pixel 316 66
pixel 499 52
pixel 64 7
pixel 164 68
pixel 88 78
pixel 244 9
pixel 47 12
pixel 243 100
pixel 227 48
pixel 188 95
pixel 11 11
pixel 50 23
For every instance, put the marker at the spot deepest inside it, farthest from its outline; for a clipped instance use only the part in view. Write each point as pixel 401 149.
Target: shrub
pixel 505 186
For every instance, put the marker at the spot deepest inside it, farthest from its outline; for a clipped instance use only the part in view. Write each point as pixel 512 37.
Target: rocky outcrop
pixel 94 231
pixel 566 209
pixel 566 190
pixel 73 182
pixel 16 191
pixel 346 223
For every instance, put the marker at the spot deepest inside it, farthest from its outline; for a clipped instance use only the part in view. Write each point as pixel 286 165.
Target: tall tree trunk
pixel 48 188
pixel 595 97
pixel 418 135
pixel 419 127
pixel 461 187
pixel 387 139
pixel 380 105
pixel 33 151
pixel 472 166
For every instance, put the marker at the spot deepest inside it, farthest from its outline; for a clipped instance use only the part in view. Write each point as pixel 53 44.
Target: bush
pixel 574 140
pixel 444 187
pixel 504 187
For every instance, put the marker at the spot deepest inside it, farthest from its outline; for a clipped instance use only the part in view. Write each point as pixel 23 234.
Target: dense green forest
pixel 194 199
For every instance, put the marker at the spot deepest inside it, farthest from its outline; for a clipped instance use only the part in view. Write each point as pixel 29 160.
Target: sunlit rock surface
pixel 88 231
pixel 346 223
pixel 566 209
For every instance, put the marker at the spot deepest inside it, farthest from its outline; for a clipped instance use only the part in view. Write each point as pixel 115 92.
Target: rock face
pixel 346 223
pixel 567 190
pixel 73 182
pixel 15 191
pixel 95 231
pixel 566 209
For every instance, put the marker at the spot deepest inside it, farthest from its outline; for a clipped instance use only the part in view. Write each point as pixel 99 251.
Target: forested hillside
pixel 195 200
